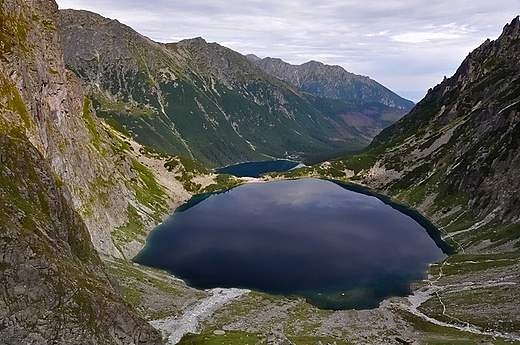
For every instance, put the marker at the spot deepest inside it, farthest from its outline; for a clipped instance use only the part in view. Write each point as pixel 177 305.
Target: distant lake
pixel 337 248
pixel 255 169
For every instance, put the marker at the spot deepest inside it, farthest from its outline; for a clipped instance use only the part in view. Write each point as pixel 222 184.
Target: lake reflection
pixel 312 238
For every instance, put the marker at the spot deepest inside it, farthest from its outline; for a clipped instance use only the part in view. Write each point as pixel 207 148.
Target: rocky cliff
pixel 55 289
pixel 332 82
pixel 206 101
pixel 456 156
pixel 61 189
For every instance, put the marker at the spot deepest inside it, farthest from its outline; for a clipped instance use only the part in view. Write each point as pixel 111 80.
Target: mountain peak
pixel 252 57
pixel 195 40
pixel 513 28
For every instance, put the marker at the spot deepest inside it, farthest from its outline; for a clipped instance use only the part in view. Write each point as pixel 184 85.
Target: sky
pixel 406 45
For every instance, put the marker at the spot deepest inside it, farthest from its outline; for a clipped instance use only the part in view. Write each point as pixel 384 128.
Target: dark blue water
pixel 255 169
pixel 313 238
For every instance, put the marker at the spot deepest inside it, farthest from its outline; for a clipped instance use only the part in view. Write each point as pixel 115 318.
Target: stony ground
pixel 447 308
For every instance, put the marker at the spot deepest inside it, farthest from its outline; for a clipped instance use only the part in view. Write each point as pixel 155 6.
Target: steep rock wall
pixel 54 286
pixel 63 189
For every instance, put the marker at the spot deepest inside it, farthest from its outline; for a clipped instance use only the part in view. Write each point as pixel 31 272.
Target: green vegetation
pixel 137 282
pixel 472 263
pixel 90 124
pixel 133 230
pixel 243 338
pixel 217 114
pixel 190 166
pixel 229 338
pixel 15 103
pixel 222 182
pixel 439 335
pixel 148 191
pixel 114 124
pixel 306 340
pixel 186 169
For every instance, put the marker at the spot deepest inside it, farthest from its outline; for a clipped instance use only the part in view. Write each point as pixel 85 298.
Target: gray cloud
pixel 405 45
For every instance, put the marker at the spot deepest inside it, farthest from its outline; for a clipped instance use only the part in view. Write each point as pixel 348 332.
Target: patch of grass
pixel 49 25
pixel 222 182
pixel 90 124
pixel 461 264
pixel 229 338
pixel 189 165
pixel 131 278
pixel 458 342
pixel 148 191
pixel 193 166
pixel 477 289
pixel 15 101
pixel 360 162
pixel 303 340
pixel 435 334
pixel 148 178
pixel 132 230
pixel 186 169
pixel 117 126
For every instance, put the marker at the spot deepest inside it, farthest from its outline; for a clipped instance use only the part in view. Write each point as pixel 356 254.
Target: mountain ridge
pixel 455 159
pixel 483 95
pixel 330 81
pixel 177 97
pixel 458 145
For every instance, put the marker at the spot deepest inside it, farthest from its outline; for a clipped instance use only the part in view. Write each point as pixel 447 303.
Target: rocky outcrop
pixel 48 109
pixel 275 337
pixel 332 82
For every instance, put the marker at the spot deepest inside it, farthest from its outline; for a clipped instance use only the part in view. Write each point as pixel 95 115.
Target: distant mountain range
pixel 332 82
pixel 208 102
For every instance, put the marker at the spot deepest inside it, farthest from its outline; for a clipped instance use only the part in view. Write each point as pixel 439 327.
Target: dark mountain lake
pixel 255 169
pixel 338 248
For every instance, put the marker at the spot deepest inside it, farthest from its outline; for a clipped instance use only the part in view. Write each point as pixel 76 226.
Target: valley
pixel 79 193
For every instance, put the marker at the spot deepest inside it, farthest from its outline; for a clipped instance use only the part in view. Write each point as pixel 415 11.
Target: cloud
pixel 405 45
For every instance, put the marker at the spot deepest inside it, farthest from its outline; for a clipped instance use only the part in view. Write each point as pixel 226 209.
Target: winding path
pixel 421 296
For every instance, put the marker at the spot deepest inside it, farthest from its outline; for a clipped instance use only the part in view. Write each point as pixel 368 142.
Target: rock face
pixel 332 82
pixel 60 187
pixel 206 101
pixel 54 286
pixel 47 108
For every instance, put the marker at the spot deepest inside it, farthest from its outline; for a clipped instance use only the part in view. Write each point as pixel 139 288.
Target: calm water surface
pixel 313 238
pixel 255 169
